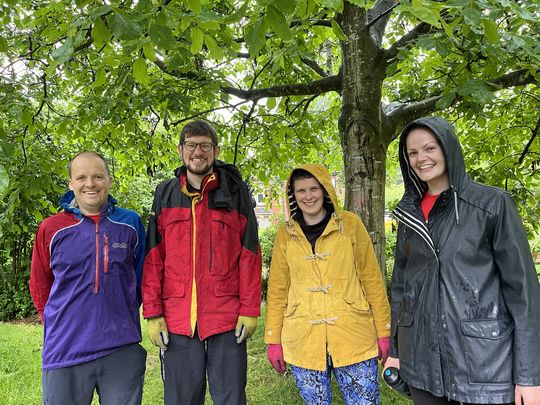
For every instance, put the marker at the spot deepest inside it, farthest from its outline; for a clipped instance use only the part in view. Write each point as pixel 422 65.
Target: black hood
pixel 455 165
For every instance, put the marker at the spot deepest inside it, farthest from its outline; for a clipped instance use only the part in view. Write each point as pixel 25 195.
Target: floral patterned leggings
pixel 358 383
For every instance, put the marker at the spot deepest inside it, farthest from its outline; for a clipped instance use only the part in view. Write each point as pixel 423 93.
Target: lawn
pixel 20 372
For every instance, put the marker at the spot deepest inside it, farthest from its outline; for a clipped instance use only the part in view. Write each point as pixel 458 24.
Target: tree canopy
pixel 283 81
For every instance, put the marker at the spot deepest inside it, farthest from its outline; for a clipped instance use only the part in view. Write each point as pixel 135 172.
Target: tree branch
pixel 531 140
pixel 519 77
pixel 378 17
pixel 417 31
pixel 329 83
pixel 397 115
pixel 176 73
pixel 315 66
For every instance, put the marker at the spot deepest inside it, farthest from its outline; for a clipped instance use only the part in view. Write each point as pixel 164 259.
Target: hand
pixel 527 395
pixel 391 362
pixel 245 328
pixel 384 348
pixel 157 332
pixel 274 353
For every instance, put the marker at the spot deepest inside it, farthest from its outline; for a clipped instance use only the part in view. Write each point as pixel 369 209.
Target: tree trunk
pixel 364 146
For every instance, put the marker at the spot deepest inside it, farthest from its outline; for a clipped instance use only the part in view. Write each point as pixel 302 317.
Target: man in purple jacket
pixel 85 283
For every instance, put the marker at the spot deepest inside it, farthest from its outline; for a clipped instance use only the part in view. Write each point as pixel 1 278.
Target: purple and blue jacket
pixel 85 282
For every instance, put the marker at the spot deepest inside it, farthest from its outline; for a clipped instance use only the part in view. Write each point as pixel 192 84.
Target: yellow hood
pixel 322 175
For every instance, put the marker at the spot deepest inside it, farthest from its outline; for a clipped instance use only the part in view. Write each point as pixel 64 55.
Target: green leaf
pixel 336 5
pixel 162 36
pixel 196 40
pixel 123 26
pixel 3 45
pixel 100 77
pixel 338 32
pixel 276 20
pixel 447 29
pixel 140 71
pixel 194 5
pixel 38 216
pixel 215 51
pixel 446 100
pixel 81 3
pixel 4 180
pixel 359 3
pixel 472 17
pixel 287 6
pixel 100 32
pixel 428 15
pixel 184 24
pixel 149 52
pixel 64 52
pixel 26 117
pixel 491 30
pixel 256 37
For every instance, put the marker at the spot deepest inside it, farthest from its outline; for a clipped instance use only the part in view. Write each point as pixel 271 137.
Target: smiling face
pixel 426 158
pixel 90 182
pixel 310 198
pixel 198 163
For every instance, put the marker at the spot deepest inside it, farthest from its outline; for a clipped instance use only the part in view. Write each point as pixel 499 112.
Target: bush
pixel 15 300
pixel 267 237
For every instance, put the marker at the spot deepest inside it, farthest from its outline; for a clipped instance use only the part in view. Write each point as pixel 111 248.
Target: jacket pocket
pixel 407 342
pixel 357 304
pixel 488 350
pixel 290 310
pixel 226 286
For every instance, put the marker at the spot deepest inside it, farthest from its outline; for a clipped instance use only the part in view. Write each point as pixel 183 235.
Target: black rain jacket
pixel 465 296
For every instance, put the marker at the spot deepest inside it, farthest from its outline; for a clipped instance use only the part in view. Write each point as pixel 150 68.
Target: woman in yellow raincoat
pixel 327 309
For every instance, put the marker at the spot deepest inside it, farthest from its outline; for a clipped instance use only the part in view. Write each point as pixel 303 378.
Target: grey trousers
pixel 187 360
pixel 118 379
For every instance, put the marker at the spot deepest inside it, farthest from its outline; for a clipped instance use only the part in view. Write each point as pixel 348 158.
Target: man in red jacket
pixel 202 274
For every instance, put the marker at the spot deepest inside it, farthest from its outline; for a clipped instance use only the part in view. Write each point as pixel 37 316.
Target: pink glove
pixel 274 353
pixel 384 348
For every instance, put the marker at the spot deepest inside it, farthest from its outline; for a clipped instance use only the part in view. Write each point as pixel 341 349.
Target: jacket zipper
pixel 106 254
pixel 96 285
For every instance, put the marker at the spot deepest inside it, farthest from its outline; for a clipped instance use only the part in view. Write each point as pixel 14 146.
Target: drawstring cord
pixel 455 205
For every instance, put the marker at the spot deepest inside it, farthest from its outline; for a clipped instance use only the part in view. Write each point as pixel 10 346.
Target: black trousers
pixel 420 397
pixel 118 379
pixel 187 361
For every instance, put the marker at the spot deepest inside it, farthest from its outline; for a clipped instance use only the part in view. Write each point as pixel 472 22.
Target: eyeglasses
pixel 205 146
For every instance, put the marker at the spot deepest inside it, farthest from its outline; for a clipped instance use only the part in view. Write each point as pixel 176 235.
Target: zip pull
pixel 106 254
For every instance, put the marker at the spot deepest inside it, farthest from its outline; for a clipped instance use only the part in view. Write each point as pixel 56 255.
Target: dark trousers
pixel 118 379
pixel 187 361
pixel 420 397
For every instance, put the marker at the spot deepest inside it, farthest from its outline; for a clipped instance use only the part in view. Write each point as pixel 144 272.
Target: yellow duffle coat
pixel 332 301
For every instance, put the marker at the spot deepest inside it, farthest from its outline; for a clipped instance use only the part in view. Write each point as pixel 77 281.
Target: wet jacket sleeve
pixel 278 289
pixel 396 289
pixel 41 276
pixel 520 288
pixel 250 265
pixel 154 264
pixel 370 276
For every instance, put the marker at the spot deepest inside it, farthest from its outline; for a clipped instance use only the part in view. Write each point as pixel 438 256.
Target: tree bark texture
pixel 364 146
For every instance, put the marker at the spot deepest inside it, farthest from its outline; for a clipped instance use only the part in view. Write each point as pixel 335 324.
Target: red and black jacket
pixel 212 235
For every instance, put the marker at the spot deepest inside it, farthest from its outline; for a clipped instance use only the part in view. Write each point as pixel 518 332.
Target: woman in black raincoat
pixel 465 296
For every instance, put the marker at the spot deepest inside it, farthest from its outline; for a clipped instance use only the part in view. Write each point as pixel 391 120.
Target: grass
pixel 20 372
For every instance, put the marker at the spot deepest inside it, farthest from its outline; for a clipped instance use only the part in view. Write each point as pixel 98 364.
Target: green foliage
pixel 123 77
pixel 15 301
pixel 267 238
